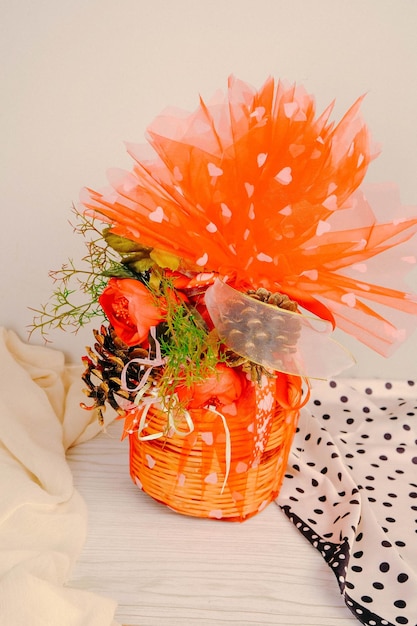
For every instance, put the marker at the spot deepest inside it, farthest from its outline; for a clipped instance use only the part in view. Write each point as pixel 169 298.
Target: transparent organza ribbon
pixel 278 339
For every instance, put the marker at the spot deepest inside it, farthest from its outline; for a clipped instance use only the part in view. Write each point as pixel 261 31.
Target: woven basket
pixel 190 473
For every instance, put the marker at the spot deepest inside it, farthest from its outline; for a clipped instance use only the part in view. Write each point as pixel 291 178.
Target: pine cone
pixel 249 331
pixel 104 365
pixel 280 300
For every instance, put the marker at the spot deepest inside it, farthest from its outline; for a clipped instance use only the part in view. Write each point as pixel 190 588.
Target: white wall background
pixel 79 77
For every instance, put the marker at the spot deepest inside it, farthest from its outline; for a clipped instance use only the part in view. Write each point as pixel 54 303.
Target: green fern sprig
pixel 74 301
pixel 190 350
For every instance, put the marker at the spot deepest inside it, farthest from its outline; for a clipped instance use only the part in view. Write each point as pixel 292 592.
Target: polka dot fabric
pixel 351 490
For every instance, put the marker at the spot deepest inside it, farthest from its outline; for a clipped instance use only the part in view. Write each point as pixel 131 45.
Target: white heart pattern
pixel 157 215
pixel 349 299
pixel 213 170
pixel 322 227
pixel 249 189
pixel 261 158
pixel 284 176
pixel 202 260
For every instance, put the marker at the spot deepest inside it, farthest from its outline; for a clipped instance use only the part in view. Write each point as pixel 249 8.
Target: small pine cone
pixel 103 369
pixel 280 300
pixel 283 330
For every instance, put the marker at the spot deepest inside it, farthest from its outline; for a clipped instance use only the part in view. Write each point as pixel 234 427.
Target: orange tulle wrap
pixel 255 192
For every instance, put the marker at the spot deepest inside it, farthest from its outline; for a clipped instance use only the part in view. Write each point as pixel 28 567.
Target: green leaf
pixel 165 259
pixel 121 244
pixel 141 265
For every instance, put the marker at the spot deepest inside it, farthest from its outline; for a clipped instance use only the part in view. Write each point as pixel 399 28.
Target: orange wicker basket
pixel 190 472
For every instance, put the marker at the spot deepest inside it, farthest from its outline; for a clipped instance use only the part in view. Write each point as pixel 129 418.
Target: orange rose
pixel 224 387
pixel 131 309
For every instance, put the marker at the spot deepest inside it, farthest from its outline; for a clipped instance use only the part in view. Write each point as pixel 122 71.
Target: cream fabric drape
pixel 43 520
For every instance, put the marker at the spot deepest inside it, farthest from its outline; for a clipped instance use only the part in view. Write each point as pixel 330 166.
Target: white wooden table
pixel 166 569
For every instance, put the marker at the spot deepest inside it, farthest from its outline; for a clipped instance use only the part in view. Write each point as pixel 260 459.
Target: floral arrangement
pixel 225 261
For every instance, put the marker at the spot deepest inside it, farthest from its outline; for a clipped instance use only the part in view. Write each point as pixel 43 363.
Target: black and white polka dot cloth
pixel 351 490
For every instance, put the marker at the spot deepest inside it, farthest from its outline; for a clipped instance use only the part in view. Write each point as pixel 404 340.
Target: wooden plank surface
pixel 166 569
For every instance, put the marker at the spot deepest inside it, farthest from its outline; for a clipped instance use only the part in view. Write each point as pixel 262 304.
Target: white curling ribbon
pixel 146 395
pixel 155 399
pixel 275 338
pixel 146 404
pixel 149 363
pixel 228 449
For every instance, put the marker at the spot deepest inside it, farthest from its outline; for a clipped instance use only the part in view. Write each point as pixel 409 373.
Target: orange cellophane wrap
pixel 255 187
pixel 191 473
